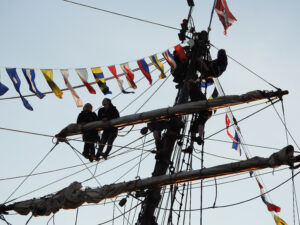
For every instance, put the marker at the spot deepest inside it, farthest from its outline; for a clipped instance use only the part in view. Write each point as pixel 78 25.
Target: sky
pixel 59 35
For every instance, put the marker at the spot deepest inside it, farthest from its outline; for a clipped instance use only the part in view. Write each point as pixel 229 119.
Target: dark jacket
pixel 110 113
pixel 86 117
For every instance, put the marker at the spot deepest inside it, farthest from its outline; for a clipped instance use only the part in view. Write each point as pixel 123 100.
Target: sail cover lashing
pixel 74 196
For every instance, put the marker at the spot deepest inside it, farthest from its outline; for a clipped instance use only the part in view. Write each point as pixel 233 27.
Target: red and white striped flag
pixel 224 14
pixel 83 75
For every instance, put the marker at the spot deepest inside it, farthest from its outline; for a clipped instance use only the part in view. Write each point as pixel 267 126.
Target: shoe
pixel 188 150
pixel 97 157
pixel 91 159
pixel 85 155
pixel 199 140
pixel 104 155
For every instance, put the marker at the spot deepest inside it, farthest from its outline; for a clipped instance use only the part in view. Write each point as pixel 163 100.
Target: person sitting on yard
pixel 107 112
pixel 89 137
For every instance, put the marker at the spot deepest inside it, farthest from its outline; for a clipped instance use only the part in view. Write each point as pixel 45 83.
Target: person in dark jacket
pixel 198 123
pixel 107 112
pixel 214 68
pixel 89 137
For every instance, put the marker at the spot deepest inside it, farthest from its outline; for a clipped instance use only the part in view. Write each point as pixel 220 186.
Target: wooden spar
pixel 177 110
pixel 72 197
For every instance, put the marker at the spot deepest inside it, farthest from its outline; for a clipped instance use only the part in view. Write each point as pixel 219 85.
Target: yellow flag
pixel 48 74
pixel 158 65
pixel 279 221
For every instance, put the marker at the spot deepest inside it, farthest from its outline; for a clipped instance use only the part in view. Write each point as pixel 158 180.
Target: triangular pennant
pixel 12 73
pixel 48 74
pixel 3 88
pixel 100 80
pixel 236 145
pixel 65 74
pixel 224 14
pixel 30 77
pixel 129 75
pixel 215 94
pixel 158 66
pixel 227 120
pixel 83 75
pixel 113 70
pixel 145 69
pixel 271 207
pixel 170 59
pixel 279 221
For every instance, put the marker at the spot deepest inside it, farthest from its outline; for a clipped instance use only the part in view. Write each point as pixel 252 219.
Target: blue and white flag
pixel 236 145
pixel 30 76
pixel 12 73
pixel 3 88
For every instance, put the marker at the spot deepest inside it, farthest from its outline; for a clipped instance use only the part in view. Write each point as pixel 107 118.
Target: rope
pixel 284 120
pixel 76 216
pixel 6 201
pixel 251 71
pixel 241 120
pixel 245 201
pixel 119 215
pixel 131 169
pixel 154 92
pixel 211 16
pixel 76 153
pixel 230 142
pixel 286 127
pixel 123 15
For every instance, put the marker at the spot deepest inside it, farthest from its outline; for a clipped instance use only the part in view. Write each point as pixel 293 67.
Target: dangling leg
pixel 85 152
pixel 92 153
pixel 110 141
pixel 103 141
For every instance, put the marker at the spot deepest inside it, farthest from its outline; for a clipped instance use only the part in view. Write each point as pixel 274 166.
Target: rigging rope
pixel 76 153
pixel 251 71
pixel 286 127
pixel 241 120
pixel 244 201
pixel 14 191
pixel 123 15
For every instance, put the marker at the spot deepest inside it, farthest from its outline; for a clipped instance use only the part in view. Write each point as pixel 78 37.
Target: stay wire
pixel 76 153
pixel 245 201
pixel 121 215
pixel 295 201
pixel 285 127
pixel 153 93
pixel 284 120
pixel 76 215
pixel 251 71
pixel 246 117
pixel 6 201
pixel 122 15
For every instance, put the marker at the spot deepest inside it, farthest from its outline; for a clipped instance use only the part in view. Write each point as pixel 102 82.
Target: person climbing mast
pixel 89 137
pixel 106 113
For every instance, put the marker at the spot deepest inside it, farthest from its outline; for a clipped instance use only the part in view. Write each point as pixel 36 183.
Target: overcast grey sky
pixel 59 35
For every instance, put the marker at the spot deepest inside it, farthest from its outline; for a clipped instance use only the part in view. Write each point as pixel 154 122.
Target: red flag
pixel 271 207
pixel 227 120
pixel 129 75
pixel 180 53
pixel 224 14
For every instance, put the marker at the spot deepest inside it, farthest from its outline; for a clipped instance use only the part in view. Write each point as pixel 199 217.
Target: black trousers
pixel 108 138
pixel 89 149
